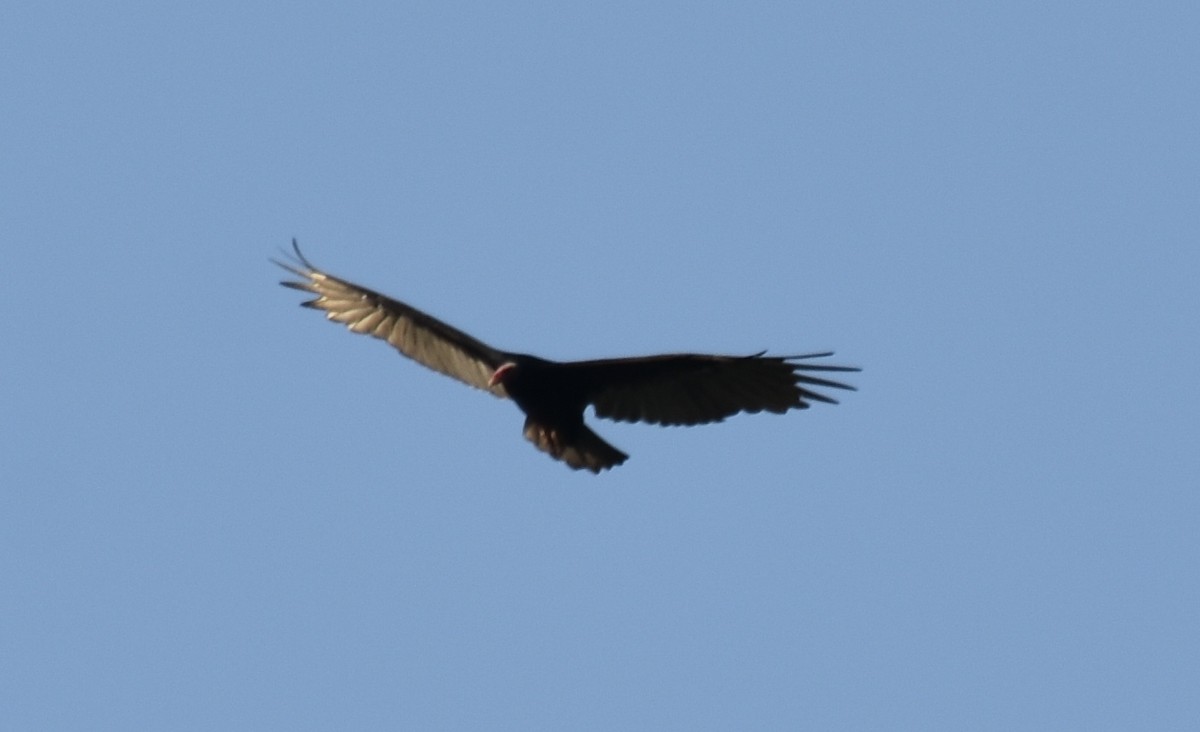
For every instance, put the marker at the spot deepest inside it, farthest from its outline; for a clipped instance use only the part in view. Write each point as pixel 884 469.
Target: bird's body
pixel 673 389
pixel 553 404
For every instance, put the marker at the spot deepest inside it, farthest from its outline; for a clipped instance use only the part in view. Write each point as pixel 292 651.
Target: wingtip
pixel 295 256
pixel 296 263
pixel 300 255
pixel 818 366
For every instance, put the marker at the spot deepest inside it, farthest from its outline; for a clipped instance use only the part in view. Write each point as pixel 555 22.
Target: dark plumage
pixel 675 389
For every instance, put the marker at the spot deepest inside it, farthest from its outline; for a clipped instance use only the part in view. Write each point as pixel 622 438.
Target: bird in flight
pixel 669 389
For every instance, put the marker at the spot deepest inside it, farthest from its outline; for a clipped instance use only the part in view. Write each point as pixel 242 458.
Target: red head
pixel 503 373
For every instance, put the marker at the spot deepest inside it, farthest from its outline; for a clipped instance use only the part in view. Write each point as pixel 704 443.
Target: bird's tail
pixel 583 450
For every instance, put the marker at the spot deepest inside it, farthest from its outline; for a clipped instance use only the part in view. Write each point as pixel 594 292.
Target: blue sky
pixel 221 512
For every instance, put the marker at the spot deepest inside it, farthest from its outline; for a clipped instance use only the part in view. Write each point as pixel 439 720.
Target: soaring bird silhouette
pixel 670 389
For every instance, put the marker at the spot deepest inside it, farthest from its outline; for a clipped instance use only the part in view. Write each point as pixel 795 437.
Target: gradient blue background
pixel 221 512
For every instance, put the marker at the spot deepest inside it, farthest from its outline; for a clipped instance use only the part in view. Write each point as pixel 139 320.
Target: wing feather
pixel 688 388
pixel 417 335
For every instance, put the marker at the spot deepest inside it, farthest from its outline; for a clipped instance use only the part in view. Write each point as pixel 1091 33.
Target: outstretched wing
pixel 686 389
pixel 421 337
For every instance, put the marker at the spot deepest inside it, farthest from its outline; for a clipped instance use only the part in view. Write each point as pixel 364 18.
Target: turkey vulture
pixel 673 389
